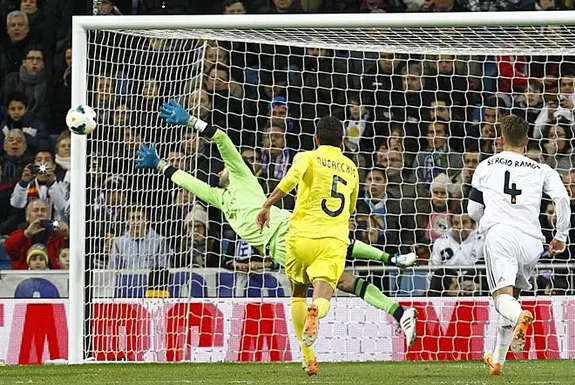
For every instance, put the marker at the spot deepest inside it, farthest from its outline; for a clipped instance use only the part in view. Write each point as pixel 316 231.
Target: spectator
pixel 234 7
pixel 276 156
pixel 103 101
pixel 140 247
pixel 16 155
pixel 192 249
pixel 108 7
pixel 544 5
pixel 253 158
pixel 400 207
pixel 490 5
pixel 19 38
pixel 10 217
pixel 174 7
pixel 276 159
pixel 557 147
pixel 413 95
pixel 462 245
pixel 440 109
pixel 279 113
pixel 226 105
pixel 20 117
pixel 106 219
pixel 38 181
pixel 379 82
pixel 63 153
pixel 529 104
pixel 433 213
pixel 272 87
pixel 450 80
pixel 374 196
pixel 32 79
pixel 37 257
pixel 318 90
pixel 358 126
pixel 62 98
pixel 64 257
pixel 285 6
pixel 36 229
pixel 443 6
pixel 436 159
pixel 550 280
pixel 38 21
pixel 463 180
pixel 373 6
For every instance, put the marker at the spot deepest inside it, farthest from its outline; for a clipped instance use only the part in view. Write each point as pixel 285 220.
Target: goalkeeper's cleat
pixel 407 323
pixel 310 327
pixel 520 331
pixel 310 367
pixel 404 260
pixel 494 367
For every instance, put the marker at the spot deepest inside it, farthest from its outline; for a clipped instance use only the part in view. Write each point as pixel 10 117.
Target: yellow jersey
pixel 328 186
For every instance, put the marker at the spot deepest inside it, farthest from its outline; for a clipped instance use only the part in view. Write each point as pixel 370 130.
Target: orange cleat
pixel 310 367
pixel 494 367
pixel 520 331
pixel 310 327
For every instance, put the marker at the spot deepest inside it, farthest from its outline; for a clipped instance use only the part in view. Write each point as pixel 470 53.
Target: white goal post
pixel 501 33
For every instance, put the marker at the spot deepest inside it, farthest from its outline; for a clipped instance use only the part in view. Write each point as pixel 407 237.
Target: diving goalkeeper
pixel 240 198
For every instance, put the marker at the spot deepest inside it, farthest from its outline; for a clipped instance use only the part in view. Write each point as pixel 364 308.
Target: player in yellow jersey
pixel 317 239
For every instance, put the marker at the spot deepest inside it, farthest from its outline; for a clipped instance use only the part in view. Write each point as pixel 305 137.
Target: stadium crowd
pixel 416 125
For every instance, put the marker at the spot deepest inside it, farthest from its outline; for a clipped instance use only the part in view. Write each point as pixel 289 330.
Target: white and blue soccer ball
pixel 81 120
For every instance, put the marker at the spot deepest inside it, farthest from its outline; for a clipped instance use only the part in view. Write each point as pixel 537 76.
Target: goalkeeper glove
pixel 147 156
pixel 174 113
pixel 403 260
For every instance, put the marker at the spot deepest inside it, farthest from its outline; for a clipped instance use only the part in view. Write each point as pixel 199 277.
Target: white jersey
pixel 448 252
pixel 513 186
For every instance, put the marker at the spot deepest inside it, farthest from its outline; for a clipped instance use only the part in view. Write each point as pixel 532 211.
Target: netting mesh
pixel 420 108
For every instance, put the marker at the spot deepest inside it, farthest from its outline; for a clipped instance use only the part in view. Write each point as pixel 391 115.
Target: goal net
pixel 167 279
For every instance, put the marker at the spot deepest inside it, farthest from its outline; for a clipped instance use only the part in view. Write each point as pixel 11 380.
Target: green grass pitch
pixel 560 372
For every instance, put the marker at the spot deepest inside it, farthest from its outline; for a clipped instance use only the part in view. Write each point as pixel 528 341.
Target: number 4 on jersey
pixel 511 190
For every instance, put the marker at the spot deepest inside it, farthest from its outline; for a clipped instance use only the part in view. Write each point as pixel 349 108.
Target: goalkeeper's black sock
pixel 398 313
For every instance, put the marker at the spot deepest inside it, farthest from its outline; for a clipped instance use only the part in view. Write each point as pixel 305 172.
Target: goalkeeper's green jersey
pixel 241 200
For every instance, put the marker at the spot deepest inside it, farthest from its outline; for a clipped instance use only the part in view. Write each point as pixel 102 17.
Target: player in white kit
pixel 505 199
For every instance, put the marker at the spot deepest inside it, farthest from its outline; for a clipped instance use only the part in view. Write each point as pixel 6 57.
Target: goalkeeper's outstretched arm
pixel 174 113
pixel 148 158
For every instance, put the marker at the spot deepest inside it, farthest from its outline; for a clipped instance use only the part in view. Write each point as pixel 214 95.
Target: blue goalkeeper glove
pixel 403 260
pixel 147 156
pixel 173 113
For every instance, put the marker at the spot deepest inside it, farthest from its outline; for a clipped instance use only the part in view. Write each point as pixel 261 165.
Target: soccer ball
pixel 81 120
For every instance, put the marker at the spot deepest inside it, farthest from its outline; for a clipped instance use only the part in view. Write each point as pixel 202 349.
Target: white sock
pixel 508 307
pixel 197 123
pixel 504 337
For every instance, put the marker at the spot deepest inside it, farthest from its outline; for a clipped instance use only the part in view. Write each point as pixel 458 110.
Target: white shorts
pixel 510 257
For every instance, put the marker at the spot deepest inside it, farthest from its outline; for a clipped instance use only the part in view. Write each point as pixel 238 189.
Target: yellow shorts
pixel 310 259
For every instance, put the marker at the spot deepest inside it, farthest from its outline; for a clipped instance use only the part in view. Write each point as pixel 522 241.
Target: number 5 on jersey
pixel 510 189
pixel 334 194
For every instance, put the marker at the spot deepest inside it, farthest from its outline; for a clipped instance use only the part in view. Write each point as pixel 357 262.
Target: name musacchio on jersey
pixel 513 186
